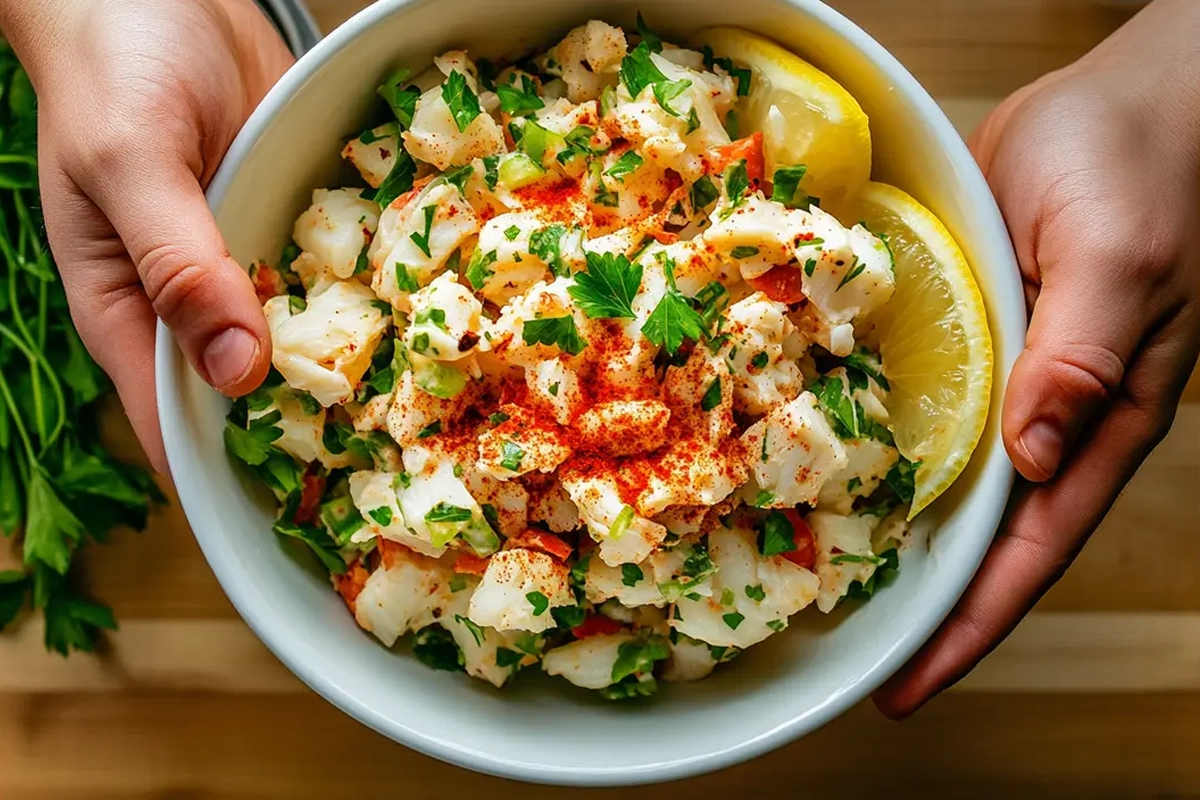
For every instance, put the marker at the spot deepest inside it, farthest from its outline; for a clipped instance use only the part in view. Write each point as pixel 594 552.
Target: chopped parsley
pixel 464 105
pixel 902 477
pixel 553 390
pixel 421 240
pixel 435 315
pixel 626 164
pixel 704 192
pixel 511 455
pixel 558 331
pixel 736 184
pixel 776 535
pixel 432 429
pixel 606 290
pixel 712 395
pixel 856 268
pixel 406 281
pixel 883 573
pixel 809 266
pixel 507 658
pixel 741 75
pixel 457 583
pixel 665 91
pixel 638 71
pixel 491 171
pixel 444 512
pixel 776 625
pixel 786 187
pixel 521 99
pixel 673 319
pixel 479 268
pixel 512 232
pixel 476 631
pixel 400 98
pixel 838 406
pixel 382 515
pixel 398 181
pixel 763 499
pixel 435 648
pixel 499 418
pixel 539 602
pixel 759 360
pixel 744 252
pixel 652 39
pixel 756 593
pixel 851 558
pixel 639 657
pixel 693 122
pixel 546 244
pixel 568 617
pixel 458 177
pixel 727 596
pixel 631 574
pixel 868 363
pixel 711 301
pixel 733 620
pixel 853 483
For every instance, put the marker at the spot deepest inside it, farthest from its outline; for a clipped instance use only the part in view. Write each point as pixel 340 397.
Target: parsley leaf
pixel 776 535
pixel 432 429
pixel 546 244
pixel 476 631
pixel 382 515
pixel 742 75
pixel 479 268
pixel 558 331
pixel 856 269
pixel 491 171
pixel 631 574
pixel 673 319
pixel 639 657
pixel 402 100
pixel 519 99
pixel 606 290
pixel 71 621
pixel 398 181
pixel 838 407
pixel 508 658
pixel 317 540
pixel 539 602
pixel 736 183
pixel 435 648
pixel 14 586
pixel 638 71
pixel 665 91
pixel 511 455
pixel 626 164
pixel 444 512
pixel 733 620
pixel 786 187
pixel 406 281
pixel 901 477
pixel 756 593
pixel 464 105
pixel 652 39
pixel 712 395
pixel 704 192
pixel 421 240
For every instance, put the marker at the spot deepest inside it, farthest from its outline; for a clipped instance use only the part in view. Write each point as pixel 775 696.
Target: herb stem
pixel 18 423
pixel 37 359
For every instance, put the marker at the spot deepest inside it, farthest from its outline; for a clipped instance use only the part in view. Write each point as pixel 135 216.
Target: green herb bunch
pixel 59 488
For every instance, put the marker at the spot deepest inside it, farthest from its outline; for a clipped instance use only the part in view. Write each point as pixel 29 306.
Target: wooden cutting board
pixel 1097 693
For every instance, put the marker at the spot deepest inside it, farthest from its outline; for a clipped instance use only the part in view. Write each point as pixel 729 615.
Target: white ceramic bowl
pixel 544 730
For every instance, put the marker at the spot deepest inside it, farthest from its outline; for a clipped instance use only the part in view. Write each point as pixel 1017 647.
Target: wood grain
pixel 160 746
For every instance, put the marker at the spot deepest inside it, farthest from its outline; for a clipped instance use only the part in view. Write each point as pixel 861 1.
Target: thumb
pixel 194 285
pixel 1081 337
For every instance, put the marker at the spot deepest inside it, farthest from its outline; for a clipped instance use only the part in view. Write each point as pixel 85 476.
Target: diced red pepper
pixel 310 497
pixel 749 148
pixel 267 281
pixel 470 564
pixel 548 543
pixel 781 284
pixel 805 554
pixel 350 583
pixel 595 625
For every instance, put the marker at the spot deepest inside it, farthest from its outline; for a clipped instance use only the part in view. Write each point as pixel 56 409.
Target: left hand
pixel 1097 171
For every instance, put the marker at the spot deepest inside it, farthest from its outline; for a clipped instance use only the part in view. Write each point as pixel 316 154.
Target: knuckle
pixel 172 279
pixel 103 150
pixel 1086 372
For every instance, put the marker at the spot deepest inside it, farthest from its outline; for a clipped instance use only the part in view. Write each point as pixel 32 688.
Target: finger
pixel 108 307
pixel 194 286
pixel 1048 526
pixel 1080 339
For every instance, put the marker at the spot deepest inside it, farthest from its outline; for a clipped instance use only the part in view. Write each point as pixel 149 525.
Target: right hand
pixel 137 105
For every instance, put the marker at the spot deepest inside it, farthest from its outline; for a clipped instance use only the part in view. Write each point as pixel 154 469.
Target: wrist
pixel 33 29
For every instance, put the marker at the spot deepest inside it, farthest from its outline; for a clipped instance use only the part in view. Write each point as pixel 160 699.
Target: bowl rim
pixel 170 365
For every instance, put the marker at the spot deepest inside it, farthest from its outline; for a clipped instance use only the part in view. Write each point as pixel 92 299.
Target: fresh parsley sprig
pixel 607 288
pixel 673 319
pixel 463 103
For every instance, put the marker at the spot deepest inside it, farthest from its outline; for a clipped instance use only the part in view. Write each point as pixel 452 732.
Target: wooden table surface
pixel 1097 694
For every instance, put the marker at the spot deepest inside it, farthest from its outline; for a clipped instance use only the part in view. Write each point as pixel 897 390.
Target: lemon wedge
pixel 933 338
pixel 805 116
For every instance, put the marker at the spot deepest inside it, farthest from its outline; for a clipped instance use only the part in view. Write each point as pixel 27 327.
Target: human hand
pixel 137 104
pixel 1097 171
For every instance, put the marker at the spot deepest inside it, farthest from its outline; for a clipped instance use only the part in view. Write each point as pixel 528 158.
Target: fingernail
pixel 229 357
pixel 1043 444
